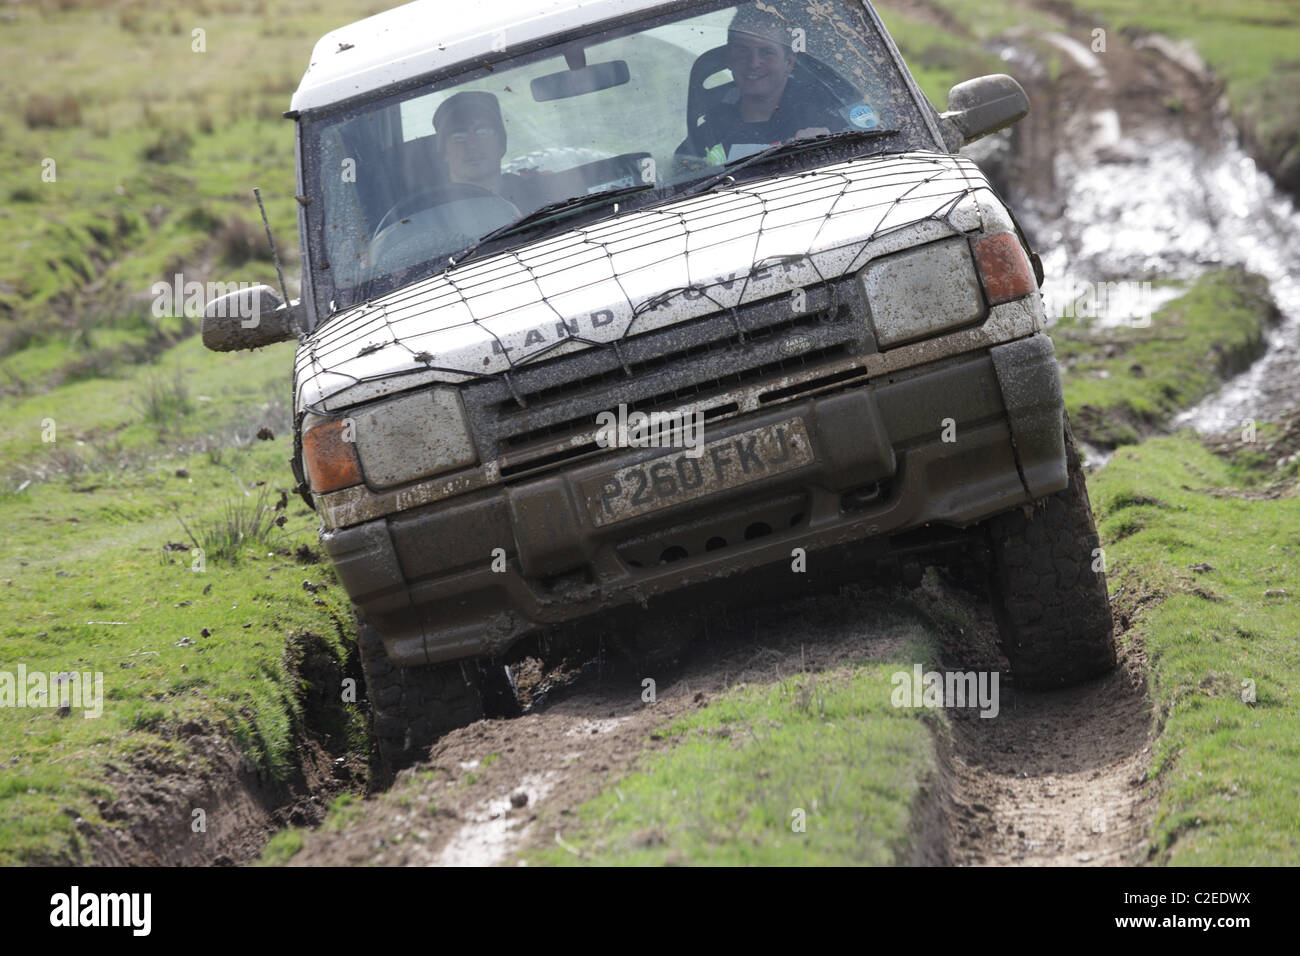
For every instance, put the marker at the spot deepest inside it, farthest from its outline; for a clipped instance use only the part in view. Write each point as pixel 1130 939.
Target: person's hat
pixel 756 22
pixel 457 112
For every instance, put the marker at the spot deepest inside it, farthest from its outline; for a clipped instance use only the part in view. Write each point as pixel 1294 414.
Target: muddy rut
pixel 1058 779
pixel 1055 778
pixel 500 786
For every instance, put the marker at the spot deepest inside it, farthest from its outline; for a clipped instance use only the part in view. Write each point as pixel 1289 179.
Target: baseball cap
pixel 759 23
pixel 457 111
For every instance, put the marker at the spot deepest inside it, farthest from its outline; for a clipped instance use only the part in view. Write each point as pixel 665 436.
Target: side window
pixel 345 223
pixel 362 170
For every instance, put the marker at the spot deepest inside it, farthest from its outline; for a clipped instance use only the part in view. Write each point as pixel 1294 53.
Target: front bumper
pixel 949 443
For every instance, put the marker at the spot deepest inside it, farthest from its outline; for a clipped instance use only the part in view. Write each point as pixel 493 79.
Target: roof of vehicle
pixel 425 36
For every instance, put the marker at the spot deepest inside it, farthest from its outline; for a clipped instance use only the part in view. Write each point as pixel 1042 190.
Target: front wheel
pixel 411 707
pixel 1051 606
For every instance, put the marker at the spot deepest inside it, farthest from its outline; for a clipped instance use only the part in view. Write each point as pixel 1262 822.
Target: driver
pixel 764 107
pixel 471 142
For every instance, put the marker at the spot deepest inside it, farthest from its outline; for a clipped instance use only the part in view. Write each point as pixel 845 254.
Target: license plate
pixel 678 478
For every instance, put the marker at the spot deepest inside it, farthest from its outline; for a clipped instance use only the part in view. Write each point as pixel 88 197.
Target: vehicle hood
pixel 639 271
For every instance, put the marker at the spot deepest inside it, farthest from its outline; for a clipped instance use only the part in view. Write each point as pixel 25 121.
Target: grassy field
pixel 942 55
pixel 1200 544
pixel 124 447
pixel 101 573
pixel 117 430
pixel 117 171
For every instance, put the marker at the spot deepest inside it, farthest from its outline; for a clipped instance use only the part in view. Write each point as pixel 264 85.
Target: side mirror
pixel 249 319
pixel 982 106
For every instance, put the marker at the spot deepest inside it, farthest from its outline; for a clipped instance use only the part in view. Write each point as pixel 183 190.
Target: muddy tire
pixel 1052 609
pixel 411 707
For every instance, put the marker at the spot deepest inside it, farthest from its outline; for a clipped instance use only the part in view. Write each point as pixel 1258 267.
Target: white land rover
pixel 738 230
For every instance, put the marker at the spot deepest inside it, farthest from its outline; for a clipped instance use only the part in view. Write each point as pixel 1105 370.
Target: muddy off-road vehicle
pixel 625 305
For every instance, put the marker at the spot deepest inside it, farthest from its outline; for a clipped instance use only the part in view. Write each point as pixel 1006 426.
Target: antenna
pixel 274 255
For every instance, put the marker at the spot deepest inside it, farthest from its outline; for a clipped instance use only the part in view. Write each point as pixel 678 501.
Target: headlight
pixel 922 291
pixel 393 442
pixel 412 437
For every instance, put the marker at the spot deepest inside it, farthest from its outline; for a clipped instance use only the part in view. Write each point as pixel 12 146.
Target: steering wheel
pixel 408 206
pixel 443 213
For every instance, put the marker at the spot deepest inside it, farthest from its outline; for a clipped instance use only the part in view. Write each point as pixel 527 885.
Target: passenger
pixel 764 107
pixel 472 141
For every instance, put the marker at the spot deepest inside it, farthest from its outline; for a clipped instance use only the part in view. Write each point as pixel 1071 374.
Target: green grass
pixel 827 749
pixel 216 397
pixel 282 847
pixel 1229 769
pixel 89 583
pixel 112 179
pixel 346 808
pixel 1122 383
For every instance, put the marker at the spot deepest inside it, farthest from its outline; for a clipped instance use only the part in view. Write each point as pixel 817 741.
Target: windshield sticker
pixel 863 117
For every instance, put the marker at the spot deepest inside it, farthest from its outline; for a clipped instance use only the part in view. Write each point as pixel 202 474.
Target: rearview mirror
pixel 584 79
pixel 982 106
pixel 249 319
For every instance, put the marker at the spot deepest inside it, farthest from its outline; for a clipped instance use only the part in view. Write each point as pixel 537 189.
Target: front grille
pixel 687 363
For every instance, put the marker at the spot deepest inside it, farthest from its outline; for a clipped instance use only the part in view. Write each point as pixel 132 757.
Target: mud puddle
pixel 1128 172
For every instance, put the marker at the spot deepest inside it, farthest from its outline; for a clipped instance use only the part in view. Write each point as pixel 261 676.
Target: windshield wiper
pixel 571 204
pixel 786 148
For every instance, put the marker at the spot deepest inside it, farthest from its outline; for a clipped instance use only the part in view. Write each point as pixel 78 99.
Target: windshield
pixel 402 184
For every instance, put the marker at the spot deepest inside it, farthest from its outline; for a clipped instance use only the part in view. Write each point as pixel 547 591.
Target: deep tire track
pixel 1057 777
